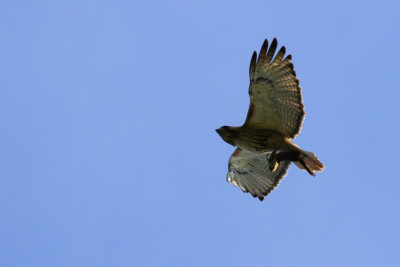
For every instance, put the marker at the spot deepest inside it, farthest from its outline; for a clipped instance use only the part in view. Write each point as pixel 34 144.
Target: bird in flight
pixel 264 149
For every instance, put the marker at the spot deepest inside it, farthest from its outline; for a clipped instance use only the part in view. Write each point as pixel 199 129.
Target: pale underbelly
pixel 262 147
pixel 264 143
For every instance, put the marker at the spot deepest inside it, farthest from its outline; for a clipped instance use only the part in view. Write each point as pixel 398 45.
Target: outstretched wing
pixel 275 94
pixel 250 172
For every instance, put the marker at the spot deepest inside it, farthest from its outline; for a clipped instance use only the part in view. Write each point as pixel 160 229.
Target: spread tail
pixel 308 161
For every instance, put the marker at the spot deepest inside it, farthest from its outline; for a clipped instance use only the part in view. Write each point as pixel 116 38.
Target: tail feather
pixel 308 161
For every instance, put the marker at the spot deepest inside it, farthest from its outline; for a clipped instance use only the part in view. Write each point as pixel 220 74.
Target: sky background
pixel 109 155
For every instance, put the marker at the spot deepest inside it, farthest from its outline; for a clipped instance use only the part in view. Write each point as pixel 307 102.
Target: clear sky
pixel 109 155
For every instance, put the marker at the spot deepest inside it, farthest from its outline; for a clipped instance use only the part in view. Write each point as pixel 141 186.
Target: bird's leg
pixel 272 161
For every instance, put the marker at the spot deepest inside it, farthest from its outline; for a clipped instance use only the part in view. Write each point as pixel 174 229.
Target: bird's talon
pixel 272 161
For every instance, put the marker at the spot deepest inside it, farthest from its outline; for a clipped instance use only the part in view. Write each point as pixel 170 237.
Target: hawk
pixel 264 149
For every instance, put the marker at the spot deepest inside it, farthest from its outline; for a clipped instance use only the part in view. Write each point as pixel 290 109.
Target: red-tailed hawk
pixel 264 146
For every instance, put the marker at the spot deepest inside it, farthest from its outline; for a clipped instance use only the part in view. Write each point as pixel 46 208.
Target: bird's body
pixel 264 146
pixel 258 140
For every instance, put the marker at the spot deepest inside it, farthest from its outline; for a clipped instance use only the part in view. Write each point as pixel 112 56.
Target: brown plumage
pixel 276 112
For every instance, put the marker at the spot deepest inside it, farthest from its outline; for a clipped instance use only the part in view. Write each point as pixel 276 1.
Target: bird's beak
pixel 217 130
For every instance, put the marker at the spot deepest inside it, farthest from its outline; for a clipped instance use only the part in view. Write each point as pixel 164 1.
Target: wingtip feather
pixel 253 62
pixel 271 50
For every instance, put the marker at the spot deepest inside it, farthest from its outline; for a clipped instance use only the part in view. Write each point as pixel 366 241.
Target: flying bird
pixel 264 149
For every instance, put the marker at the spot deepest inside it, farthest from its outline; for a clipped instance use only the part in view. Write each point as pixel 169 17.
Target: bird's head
pixel 228 134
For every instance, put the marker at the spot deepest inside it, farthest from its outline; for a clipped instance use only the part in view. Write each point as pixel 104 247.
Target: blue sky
pixel 109 154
